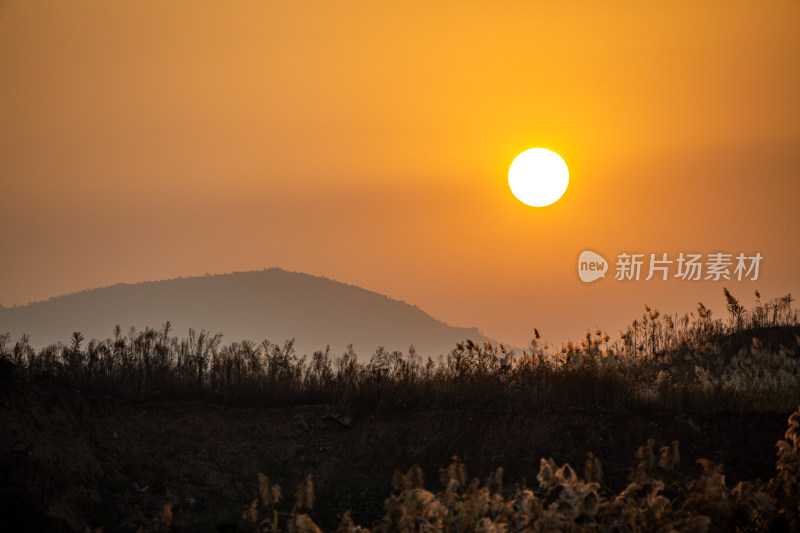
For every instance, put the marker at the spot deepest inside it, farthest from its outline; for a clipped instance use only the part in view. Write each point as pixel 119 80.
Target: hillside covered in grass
pixel 151 432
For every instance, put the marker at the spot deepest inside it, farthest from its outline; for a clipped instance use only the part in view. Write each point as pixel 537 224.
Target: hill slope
pixel 271 304
pixel 71 460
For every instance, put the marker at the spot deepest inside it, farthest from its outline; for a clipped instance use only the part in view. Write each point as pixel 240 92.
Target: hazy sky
pixel 369 142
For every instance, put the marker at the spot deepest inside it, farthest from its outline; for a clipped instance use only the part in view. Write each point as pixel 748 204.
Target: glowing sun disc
pixel 538 177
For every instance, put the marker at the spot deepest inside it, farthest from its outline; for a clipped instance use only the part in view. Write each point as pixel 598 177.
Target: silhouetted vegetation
pixel 659 497
pixel 748 361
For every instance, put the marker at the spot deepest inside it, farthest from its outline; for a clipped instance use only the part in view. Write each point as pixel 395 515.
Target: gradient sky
pixel 369 142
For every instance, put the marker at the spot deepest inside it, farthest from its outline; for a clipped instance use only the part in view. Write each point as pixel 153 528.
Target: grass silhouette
pixel 746 363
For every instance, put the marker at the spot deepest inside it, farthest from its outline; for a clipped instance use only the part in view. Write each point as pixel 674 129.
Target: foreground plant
pixel 657 498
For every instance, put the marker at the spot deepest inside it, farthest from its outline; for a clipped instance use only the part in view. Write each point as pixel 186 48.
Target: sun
pixel 538 177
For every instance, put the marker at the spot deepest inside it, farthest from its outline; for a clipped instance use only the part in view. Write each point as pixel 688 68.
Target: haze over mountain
pixel 272 304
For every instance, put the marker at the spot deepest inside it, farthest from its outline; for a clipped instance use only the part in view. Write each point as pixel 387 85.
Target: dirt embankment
pixel 69 461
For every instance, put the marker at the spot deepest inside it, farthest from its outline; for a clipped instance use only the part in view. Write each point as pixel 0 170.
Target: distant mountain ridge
pixel 272 304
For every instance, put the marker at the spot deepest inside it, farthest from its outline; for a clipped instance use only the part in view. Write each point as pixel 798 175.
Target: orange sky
pixel 369 142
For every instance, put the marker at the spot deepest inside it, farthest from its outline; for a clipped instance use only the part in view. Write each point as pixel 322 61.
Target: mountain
pixel 272 304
